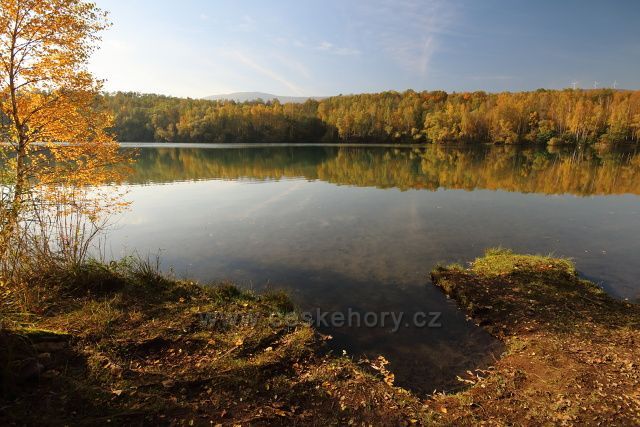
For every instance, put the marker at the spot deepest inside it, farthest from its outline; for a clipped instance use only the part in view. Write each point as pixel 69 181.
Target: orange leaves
pixel 58 150
pixel 380 365
pixel 55 123
pixel 46 91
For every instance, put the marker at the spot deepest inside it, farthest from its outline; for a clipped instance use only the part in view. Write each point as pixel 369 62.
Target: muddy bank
pixel 572 352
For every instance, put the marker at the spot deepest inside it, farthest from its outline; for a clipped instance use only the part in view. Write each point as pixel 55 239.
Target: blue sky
pixel 297 47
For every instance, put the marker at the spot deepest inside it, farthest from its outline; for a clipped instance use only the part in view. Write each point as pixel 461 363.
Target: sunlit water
pixel 361 227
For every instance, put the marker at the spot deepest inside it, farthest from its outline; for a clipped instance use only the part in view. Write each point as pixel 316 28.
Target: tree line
pixel 551 117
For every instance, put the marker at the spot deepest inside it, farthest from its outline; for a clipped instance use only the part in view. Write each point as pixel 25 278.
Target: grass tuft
pixel 497 261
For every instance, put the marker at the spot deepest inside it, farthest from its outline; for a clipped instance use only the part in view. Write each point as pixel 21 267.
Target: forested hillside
pixel 544 116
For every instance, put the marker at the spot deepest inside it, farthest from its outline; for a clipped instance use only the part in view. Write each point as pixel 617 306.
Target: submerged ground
pixel 125 345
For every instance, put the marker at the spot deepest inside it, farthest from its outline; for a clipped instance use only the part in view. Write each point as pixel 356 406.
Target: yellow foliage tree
pixel 52 127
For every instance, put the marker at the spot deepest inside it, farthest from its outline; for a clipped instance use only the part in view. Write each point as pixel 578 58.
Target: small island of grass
pixel 571 350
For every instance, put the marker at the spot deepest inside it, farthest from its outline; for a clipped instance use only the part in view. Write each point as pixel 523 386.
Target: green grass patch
pixel 498 261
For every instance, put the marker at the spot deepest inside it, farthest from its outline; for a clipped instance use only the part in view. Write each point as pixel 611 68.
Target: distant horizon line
pixel 319 97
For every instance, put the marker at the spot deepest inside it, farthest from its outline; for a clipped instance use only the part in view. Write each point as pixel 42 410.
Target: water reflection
pixel 336 228
pixel 510 168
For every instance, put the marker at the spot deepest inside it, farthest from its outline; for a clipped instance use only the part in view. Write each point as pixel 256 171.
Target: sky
pixel 197 48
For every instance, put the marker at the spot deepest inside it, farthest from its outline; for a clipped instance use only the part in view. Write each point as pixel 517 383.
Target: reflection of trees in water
pixel 183 164
pixel 508 168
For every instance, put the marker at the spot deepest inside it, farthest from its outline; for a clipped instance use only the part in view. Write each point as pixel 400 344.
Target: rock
pixel 52 373
pixel 50 346
pixel 28 369
pixel 44 357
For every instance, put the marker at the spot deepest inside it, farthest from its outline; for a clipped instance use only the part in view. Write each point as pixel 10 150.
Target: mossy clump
pixel 503 261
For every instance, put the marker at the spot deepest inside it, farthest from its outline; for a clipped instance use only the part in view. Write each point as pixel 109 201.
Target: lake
pixel 360 227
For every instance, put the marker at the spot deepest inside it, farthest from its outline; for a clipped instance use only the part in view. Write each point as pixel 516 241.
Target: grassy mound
pixel 572 351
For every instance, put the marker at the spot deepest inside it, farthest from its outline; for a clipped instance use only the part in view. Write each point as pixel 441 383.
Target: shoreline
pixel 453 144
pixel 123 343
pixel 571 349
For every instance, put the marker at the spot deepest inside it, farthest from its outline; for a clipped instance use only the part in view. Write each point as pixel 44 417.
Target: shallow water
pixel 359 228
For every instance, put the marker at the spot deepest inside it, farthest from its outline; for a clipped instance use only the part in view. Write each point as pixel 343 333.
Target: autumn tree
pixel 543 117
pixel 52 126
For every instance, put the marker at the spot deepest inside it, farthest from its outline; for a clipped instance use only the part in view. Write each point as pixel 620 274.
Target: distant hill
pixel 252 96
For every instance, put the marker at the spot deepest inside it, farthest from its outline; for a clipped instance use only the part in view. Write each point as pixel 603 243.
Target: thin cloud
pixel 267 72
pixel 247 23
pixel 296 66
pixel 497 77
pixel 407 31
pixel 428 48
pixel 328 47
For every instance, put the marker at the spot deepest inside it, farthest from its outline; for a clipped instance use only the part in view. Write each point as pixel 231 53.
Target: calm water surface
pixel 361 227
